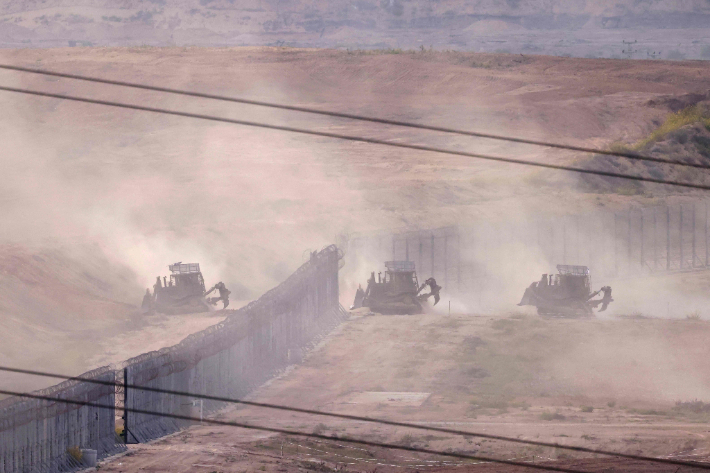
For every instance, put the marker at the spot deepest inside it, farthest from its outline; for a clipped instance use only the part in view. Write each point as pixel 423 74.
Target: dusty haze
pixel 102 200
pixel 654 29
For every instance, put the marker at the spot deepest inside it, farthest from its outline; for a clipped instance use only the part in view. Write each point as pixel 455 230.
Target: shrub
pixel 552 416
pixel 587 409
pixel 407 440
pixel 320 429
pixel 696 407
pixel 674 122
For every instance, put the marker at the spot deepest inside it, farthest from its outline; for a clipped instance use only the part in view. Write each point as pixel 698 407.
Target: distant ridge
pixel 563 27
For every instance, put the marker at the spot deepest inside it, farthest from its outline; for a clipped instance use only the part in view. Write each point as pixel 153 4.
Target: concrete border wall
pixel 237 355
pixel 229 359
pixel 43 436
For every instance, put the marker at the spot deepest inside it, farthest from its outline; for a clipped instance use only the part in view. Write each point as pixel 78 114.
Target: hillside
pixel 576 28
pixel 148 190
pixel 684 137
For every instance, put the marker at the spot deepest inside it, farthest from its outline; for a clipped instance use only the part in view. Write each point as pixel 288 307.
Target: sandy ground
pixel 567 381
pixel 147 191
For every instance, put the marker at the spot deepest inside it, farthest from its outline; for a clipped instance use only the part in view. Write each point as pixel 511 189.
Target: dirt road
pixel 565 381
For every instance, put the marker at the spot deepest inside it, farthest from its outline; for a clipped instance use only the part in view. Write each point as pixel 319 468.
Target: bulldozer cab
pixel 573 280
pixel 186 282
pixel 187 278
pixel 400 276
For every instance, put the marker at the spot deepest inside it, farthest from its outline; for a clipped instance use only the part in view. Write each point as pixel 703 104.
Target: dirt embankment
pixel 683 137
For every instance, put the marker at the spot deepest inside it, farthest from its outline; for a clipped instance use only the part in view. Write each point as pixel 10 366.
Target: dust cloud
pixel 136 192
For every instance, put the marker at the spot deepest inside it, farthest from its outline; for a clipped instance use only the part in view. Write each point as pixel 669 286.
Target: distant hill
pixel 558 27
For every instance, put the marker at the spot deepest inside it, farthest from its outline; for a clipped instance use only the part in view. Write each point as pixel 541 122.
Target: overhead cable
pixel 352 417
pixel 277 430
pixel 383 121
pixel 360 139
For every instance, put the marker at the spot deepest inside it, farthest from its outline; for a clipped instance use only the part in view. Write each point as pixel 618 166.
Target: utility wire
pixel 354 138
pixel 358 418
pixel 383 121
pixel 313 435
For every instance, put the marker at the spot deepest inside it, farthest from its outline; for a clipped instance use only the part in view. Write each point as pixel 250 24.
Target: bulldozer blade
pixel 359 298
pixel 527 298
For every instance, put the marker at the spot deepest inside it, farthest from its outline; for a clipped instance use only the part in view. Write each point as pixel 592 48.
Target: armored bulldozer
pixel 566 294
pixel 398 292
pixel 184 292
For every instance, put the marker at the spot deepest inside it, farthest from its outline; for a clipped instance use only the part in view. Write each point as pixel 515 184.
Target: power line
pixel 355 138
pixel 383 121
pixel 312 435
pixel 355 418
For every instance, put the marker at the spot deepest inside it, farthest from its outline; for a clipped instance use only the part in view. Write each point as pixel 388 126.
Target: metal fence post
pixel 668 238
pixel 616 248
pixel 642 241
pixel 458 260
pixel 406 248
pixel 693 263
pixel 579 247
pixel 431 250
pixel 564 241
pixel 655 242
pixel 628 241
pixel 680 235
pixel 446 263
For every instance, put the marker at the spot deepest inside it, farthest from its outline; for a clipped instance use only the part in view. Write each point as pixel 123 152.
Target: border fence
pixel 229 359
pixel 466 259
pixel 42 436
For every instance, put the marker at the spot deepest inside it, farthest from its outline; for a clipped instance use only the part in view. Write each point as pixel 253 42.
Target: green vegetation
pixel 674 122
pixel 687 116
pixel 587 409
pixel 684 117
pixel 75 453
